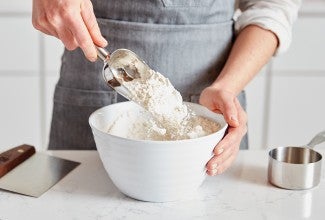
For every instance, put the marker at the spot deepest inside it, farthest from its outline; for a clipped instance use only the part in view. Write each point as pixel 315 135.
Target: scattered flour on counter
pixel 166 116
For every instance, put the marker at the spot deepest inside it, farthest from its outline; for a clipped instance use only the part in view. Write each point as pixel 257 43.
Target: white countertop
pixel 241 193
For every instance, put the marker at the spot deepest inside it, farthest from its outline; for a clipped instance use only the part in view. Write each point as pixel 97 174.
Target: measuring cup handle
pixel 102 53
pixel 319 138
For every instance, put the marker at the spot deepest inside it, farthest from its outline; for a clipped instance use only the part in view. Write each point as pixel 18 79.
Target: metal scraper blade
pixel 37 174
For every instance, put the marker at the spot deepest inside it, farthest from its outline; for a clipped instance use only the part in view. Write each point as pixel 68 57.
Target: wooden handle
pixel 13 157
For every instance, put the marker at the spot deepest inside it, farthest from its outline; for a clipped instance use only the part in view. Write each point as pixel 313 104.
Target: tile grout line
pixel 299 73
pixel 15 14
pixel 22 73
pixel 42 90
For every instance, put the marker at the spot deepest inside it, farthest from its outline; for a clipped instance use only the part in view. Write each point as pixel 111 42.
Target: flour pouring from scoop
pixel 116 70
pixel 131 77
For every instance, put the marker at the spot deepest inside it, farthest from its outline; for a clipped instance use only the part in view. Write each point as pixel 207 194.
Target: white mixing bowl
pixel 155 171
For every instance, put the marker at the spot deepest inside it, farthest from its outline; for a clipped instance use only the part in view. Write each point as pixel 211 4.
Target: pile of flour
pixel 166 116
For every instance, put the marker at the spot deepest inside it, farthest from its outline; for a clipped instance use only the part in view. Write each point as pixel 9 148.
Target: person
pixel 207 56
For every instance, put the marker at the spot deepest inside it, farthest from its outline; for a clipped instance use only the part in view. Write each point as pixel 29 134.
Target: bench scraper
pixel 24 171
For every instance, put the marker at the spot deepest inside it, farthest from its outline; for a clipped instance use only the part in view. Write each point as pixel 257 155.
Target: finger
pixel 217 111
pixel 211 166
pixel 222 158
pixel 82 36
pixel 231 137
pixel 217 160
pixel 89 18
pixel 49 31
pixel 65 35
pixel 226 164
pixel 42 24
pixel 67 38
pixel 212 172
pixel 229 111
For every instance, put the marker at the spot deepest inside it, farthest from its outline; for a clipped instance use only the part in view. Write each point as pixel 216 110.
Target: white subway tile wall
pixel 53 52
pixel 285 101
pixel 256 91
pixel 307 50
pixel 20 111
pixel 19 45
pixel 50 82
pixel 16 6
pixel 29 69
pixel 298 112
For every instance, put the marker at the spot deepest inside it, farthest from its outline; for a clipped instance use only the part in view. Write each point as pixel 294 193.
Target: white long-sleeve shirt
pixel 277 16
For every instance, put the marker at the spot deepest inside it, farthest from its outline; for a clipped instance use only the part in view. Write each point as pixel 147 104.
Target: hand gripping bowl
pixel 156 171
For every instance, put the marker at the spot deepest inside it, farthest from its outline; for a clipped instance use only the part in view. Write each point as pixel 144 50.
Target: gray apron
pixel 186 40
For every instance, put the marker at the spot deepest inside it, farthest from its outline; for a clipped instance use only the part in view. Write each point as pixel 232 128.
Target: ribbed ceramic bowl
pixel 155 171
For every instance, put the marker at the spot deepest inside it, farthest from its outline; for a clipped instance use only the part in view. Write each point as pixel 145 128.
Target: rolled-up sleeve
pixel 277 16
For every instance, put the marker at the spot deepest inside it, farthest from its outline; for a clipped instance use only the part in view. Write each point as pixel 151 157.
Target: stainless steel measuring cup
pixel 296 167
pixel 121 66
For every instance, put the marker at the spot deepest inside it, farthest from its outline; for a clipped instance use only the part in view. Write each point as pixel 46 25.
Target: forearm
pixel 252 49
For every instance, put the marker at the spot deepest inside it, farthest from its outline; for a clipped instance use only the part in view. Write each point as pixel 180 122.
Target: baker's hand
pixel 226 103
pixel 72 21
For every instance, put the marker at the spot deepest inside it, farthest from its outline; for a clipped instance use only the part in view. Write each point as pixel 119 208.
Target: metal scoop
pixel 121 66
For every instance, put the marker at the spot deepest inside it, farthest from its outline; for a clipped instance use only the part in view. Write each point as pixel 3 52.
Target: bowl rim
pixel 221 130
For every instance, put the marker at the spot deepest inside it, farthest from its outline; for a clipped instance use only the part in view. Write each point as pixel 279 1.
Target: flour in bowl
pixel 166 116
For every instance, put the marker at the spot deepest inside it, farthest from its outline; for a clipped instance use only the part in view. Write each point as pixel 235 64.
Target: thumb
pixel 230 113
